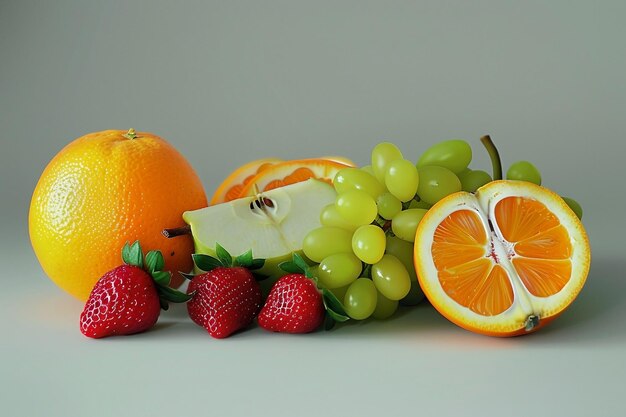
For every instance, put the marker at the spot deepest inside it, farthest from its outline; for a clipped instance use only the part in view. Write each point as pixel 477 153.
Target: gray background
pixel 227 82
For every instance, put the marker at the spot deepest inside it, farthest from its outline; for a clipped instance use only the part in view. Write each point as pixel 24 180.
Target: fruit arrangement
pixel 332 242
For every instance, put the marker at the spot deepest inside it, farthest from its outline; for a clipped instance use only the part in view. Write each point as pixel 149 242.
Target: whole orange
pixel 105 189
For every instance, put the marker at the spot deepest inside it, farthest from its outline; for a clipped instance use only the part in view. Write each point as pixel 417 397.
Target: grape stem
pixel 367 271
pixel 494 155
pixel 383 223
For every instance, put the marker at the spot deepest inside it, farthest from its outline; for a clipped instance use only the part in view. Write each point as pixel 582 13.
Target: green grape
pixel 340 292
pixel 331 217
pixel 419 204
pixel 576 208
pixel 384 307
pixel 360 299
pixel 403 250
pixel 405 223
pixel 453 154
pixel 462 173
pixel 415 295
pixel 339 269
pixel 349 179
pixel 473 180
pixel 401 179
pixel 391 277
pixel 368 243
pixel 368 169
pixel 388 206
pixel 383 154
pixel 436 183
pixel 324 241
pixel 357 206
pixel 524 171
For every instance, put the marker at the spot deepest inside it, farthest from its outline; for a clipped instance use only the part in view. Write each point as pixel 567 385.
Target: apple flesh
pixel 272 224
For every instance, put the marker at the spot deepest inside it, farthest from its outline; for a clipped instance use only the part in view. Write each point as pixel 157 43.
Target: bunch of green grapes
pixel 365 245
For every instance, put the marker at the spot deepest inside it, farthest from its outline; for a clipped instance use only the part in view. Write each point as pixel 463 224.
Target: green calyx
pixel 224 259
pixel 335 312
pixel 131 134
pixel 153 264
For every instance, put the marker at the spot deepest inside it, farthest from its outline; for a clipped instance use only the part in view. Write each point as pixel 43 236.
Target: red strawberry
pixel 296 305
pixel 128 299
pixel 227 297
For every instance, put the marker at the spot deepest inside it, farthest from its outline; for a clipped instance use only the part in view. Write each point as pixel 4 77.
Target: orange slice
pixel 503 262
pixel 231 187
pixel 290 172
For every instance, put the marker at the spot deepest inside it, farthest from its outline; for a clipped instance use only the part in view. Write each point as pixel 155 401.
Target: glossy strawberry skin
pixel 124 301
pixel 225 300
pixel 294 305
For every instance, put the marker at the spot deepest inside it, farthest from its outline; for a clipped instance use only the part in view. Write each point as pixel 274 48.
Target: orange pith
pixel 491 261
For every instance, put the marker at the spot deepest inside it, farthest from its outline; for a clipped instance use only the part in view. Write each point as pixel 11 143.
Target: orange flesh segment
pixel 521 218
pixel 542 243
pixel 233 192
pixel 300 174
pixel 264 166
pixel 543 277
pixel 247 180
pixel 551 244
pixel 273 184
pixel 465 272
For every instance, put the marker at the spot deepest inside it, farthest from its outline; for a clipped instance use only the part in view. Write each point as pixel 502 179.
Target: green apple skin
pixel 273 233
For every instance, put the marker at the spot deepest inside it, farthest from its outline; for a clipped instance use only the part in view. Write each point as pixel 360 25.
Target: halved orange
pixel 289 172
pixel 504 261
pixel 232 185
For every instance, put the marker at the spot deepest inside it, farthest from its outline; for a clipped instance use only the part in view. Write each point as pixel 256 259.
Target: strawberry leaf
pixel 205 262
pixel 126 253
pixel 310 275
pixel 223 255
pixel 297 258
pixel 337 317
pixel 291 267
pixel 259 277
pixel 133 255
pixel 186 275
pixel 334 307
pixel 245 259
pixel 257 263
pixel 329 322
pixel 154 261
pixel 175 296
pixel 161 277
pixel 164 305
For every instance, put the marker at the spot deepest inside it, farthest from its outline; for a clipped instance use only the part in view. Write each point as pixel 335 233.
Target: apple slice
pixel 272 224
